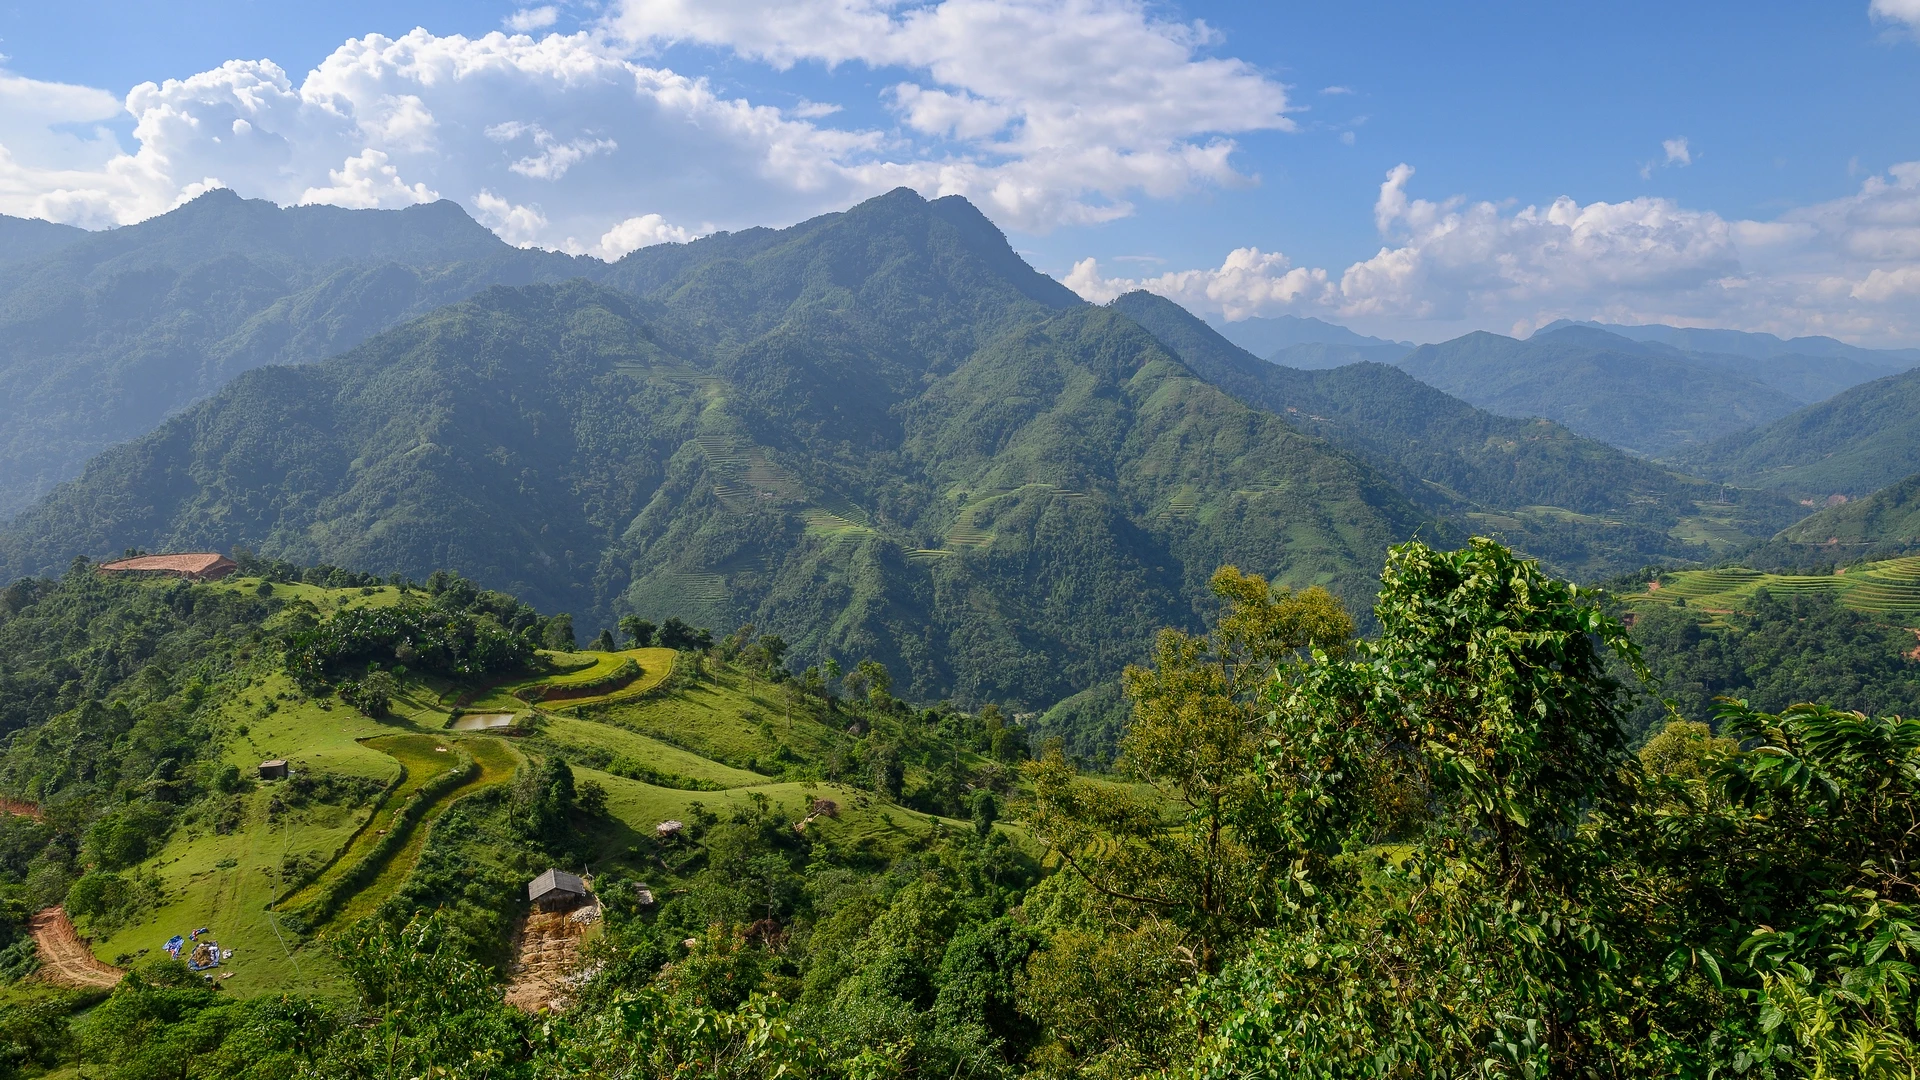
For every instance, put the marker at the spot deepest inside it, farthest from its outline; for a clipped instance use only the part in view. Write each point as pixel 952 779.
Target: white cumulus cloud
pixel 526 20
pixel 1044 112
pixel 1849 267
pixel 1060 111
pixel 1905 11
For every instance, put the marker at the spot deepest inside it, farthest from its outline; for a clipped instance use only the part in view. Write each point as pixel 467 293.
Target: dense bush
pixel 432 639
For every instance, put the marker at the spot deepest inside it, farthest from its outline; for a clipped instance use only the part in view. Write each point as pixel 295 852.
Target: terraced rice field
pixel 1885 588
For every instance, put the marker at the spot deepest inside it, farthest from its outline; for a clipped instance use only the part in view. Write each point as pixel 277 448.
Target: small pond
pixel 483 721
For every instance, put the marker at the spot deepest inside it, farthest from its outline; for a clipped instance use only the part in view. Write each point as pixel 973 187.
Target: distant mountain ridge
pixel 877 433
pixel 103 335
pixel 1646 398
pixel 1265 335
pixel 29 238
pixel 1746 343
pixel 1852 444
pixel 1580 504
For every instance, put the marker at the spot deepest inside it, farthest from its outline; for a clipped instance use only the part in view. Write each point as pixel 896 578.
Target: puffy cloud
pixel 1056 111
pixel 1249 282
pixel 527 20
pixel 1849 267
pixel 1677 152
pixel 1046 112
pixel 638 232
pixel 366 182
pixel 567 136
pixel 1906 11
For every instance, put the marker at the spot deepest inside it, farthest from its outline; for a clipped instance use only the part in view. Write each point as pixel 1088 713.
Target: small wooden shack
pixel 194 566
pixel 273 770
pixel 556 890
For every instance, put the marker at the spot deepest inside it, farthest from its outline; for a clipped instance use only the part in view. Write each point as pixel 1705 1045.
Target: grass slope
pixel 1890 587
pixel 742 738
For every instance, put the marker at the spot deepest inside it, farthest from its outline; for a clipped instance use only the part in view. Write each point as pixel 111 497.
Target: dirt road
pixel 65 959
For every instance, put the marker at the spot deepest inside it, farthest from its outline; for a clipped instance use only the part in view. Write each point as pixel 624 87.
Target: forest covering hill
pixel 878 431
pixel 1852 444
pixel 105 334
pixel 1001 494
pixel 800 873
pixel 1651 399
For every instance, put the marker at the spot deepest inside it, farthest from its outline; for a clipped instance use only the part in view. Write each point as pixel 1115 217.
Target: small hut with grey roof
pixel 556 890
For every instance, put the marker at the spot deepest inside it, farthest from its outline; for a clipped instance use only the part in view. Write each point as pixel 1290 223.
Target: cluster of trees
pixel 1781 651
pixel 412 635
pixel 105 688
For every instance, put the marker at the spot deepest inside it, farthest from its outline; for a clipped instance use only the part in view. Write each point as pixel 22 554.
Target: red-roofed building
pixel 195 566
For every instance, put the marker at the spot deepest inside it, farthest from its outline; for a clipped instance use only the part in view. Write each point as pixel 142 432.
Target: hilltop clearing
pixel 170 827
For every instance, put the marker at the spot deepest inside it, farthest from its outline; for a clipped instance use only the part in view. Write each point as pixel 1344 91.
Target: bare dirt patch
pixel 64 959
pixel 549 947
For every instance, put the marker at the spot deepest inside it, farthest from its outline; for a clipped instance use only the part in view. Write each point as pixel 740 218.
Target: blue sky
pixel 1157 141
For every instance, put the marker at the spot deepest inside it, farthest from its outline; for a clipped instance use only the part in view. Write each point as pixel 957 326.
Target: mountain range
pixel 876 433
pixel 103 335
pixel 1852 444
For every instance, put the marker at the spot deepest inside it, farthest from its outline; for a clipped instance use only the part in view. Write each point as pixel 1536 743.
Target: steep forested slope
pixel 29 238
pixel 102 335
pixel 1648 399
pixel 1582 505
pixel 876 433
pixel 1852 444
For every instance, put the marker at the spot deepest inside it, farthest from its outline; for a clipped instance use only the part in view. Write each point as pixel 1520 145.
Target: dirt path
pixel 64 958
pixel 20 809
pixel 548 948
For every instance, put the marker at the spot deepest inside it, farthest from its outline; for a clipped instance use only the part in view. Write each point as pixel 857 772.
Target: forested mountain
pixel 876 433
pixel 1648 399
pixel 1852 444
pixel 1753 345
pixel 103 335
pixel 1585 507
pixel 1264 336
pixel 22 239
pixel 1885 522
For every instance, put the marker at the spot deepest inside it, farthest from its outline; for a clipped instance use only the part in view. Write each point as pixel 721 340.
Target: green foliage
pixel 452 643
pixel 1780 652
pixel 883 436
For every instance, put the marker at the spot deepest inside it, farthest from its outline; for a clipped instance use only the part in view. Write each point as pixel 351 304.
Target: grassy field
pixel 1886 588
pixel 724 729
pixel 579 669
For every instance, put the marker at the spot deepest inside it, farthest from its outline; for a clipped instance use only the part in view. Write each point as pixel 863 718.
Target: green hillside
pixel 1852 444
pixel 105 334
pixel 1586 508
pixel 1887 518
pixel 1891 588
pixel 1647 399
pixel 928 453
pixel 193 677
